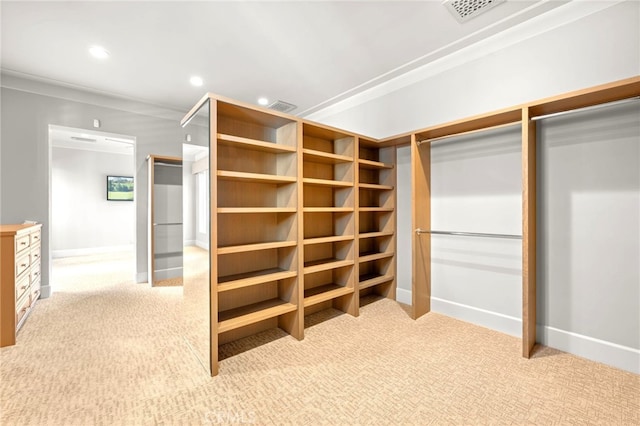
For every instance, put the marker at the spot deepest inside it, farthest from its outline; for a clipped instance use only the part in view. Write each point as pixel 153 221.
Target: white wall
pixel 578 45
pixel 82 220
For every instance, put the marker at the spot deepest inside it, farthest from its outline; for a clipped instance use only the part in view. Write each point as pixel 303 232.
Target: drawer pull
pixel 23 243
pixel 24 287
pixel 35 274
pixel 36 237
pixel 23 265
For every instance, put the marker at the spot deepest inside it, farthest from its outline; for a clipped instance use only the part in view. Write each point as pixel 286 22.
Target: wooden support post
pixel 528 233
pixel 421 218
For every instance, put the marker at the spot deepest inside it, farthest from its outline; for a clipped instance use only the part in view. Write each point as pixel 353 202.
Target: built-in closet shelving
pixel 256 222
pixel 328 179
pixel 376 219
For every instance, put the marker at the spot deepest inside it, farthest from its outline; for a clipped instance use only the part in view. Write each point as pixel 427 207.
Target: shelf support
pixel 528 233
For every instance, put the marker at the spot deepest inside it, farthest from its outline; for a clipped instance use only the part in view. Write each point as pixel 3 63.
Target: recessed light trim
pixel 196 81
pixel 263 101
pixel 99 52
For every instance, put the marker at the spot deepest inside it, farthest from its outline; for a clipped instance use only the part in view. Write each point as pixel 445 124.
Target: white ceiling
pixel 310 54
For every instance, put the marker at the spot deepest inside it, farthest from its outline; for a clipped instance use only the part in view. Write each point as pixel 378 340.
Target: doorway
pixel 92 201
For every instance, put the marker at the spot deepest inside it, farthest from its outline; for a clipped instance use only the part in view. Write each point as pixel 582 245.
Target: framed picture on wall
pixel 119 188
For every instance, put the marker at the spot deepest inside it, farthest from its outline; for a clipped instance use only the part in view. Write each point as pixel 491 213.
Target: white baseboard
pixel 189 242
pixel 619 356
pixel 403 296
pixel 493 320
pixel 142 277
pixel 56 254
pixel 202 245
pixel 45 291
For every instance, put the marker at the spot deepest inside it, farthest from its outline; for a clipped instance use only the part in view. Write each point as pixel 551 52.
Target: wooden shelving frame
pixel 348 181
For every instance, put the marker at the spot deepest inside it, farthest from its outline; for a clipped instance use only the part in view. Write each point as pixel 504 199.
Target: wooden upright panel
pixel 528 233
pixel 213 236
pixel 421 218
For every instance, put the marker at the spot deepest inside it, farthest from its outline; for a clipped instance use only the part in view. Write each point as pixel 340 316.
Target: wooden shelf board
pixel 325 265
pixel 376 209
pixel 368 257
pixel 253 144
pixel 325 157
pixel 327 209
pixel 375 186
pixel 376 165
pixel 233 282
pixel 371 280
pixel 323 293
pixel 255 247
pixel 256 209
pixel 254 177
pixel 245 315
pixel 326 182
pixel 376 234
pixel 331 239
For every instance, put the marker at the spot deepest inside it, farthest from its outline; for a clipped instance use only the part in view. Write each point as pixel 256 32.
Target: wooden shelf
pixel 253 144
pixel 254 177
pixel 376 165
pixel 326 182
pixel 249 314
pixel 325 157
pixel 368 257
pixel 233 282
pixel 376 234
pixel 375 186
pixel 244 210
pixel 328 209
pixel 323 293
pixel 376 209
pixel 255 247
pixel 332 239
pixel 370 280
pixel 325 265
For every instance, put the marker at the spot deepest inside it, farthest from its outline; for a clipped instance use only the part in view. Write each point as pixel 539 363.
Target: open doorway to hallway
pixel 92 204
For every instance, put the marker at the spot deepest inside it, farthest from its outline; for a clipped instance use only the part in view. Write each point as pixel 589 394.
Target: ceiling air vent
pixel 463 10
pixel 282 106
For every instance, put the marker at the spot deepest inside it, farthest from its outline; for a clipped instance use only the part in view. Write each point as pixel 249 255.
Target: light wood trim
pixel 375 186
pixel 255 247
pixel 326 292
pixel 369 164
pixel 377 234
pixel 326 265
pixel 298 331
pixel 376 209
pixel 235 282
pixel 213 238
pixel 192 112
pixel 370 282
pixel 420 218
pixel 249 210
pixel 245 315
pixel 325 157
pixel 323 240
pixel 528 233
pixel 327 209
pixel 484 121
pixel 604 93
pixel 254 144
pixel 375 256
pixel 254 177
pixel 326 182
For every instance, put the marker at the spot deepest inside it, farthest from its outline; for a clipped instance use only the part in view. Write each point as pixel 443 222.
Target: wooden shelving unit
pixel 328 179
pixel 376 219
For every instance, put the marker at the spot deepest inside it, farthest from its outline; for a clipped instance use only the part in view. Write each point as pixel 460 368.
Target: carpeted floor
pixel 103 350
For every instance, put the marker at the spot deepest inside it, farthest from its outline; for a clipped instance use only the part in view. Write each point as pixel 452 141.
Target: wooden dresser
pixel 19 277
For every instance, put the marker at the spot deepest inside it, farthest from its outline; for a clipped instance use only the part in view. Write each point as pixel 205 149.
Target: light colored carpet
pixel 106 351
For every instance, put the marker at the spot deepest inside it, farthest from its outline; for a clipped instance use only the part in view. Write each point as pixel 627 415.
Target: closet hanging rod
pixel 158 163
pixel 167 224
pixel 588 108
pixel 469 234
pixel 469 132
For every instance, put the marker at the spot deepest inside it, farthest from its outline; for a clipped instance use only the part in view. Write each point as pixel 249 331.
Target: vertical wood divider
pixel 299 331
pixel 356 225
pixel 528 233
pixel 420 218
pixel 213 234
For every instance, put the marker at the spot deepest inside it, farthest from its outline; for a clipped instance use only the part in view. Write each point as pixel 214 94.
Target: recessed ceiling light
pixel 263 101
pixel 196 81
pixel 99 52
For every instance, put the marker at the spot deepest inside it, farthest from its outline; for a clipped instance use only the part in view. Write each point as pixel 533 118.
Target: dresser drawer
pixel 22 307
pixel 22 243
pixel 35 273
pixel 35 292
pixel 22 264
pixel 35 254
pixel 34 237
pixel 22 286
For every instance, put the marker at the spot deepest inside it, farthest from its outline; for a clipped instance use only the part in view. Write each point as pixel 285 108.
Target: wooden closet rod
pixel 588 108
pixel 468 234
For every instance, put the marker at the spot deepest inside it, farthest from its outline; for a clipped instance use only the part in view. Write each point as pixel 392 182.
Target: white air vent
pixel 463 10
pixel 282 106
